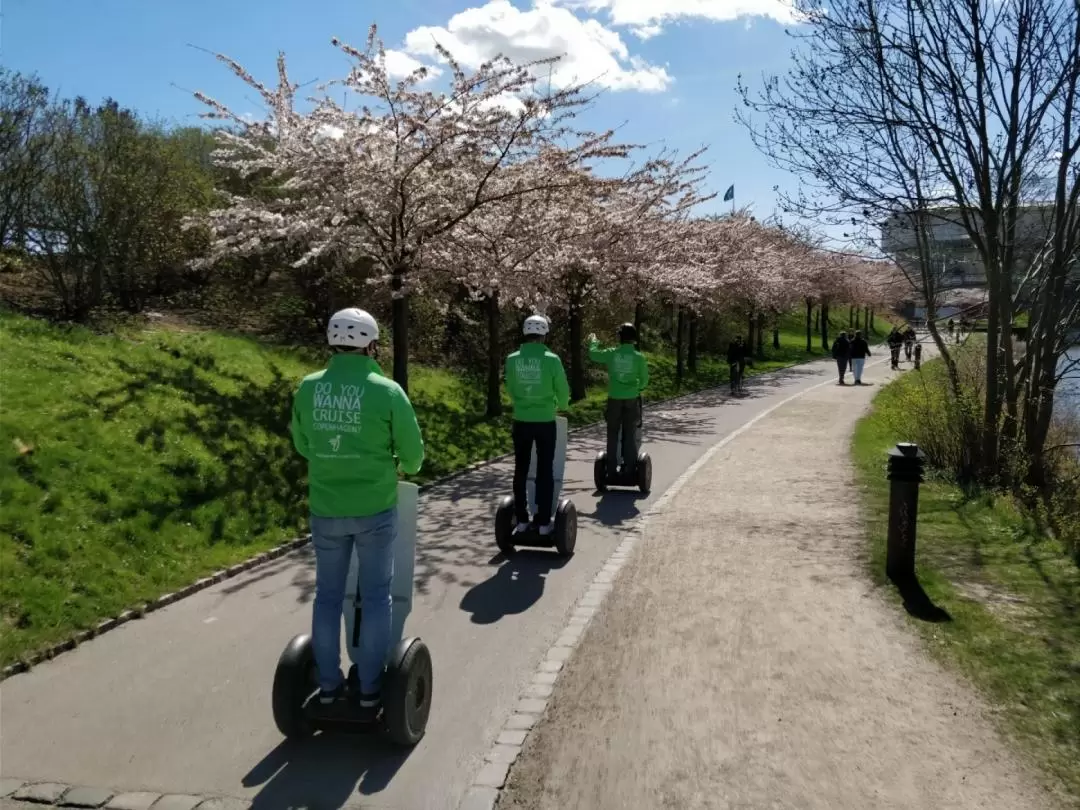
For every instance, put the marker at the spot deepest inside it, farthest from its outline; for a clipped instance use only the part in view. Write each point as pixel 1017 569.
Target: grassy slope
pixel 161 456
pixel 1012 592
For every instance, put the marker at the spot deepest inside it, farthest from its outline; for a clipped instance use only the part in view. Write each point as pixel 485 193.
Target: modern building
pixel 961 266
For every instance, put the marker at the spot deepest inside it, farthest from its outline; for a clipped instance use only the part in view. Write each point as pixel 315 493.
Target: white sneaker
pixel 521 528
pixel 547 529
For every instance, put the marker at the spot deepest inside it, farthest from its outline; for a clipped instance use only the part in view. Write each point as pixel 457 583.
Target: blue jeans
pixel 334 539
pixel 857 364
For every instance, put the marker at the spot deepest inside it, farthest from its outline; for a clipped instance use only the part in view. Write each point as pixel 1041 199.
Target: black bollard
pixel 918 355
pixel 906 463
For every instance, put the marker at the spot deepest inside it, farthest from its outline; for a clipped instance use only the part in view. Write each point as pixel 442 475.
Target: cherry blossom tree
pixel 385 181
pixel 497 256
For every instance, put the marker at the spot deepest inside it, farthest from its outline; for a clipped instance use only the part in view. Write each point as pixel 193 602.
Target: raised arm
pixel 596 354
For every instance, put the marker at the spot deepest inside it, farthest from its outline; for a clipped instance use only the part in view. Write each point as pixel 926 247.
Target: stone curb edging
pixel 489 780
pixel 20 794
pixel 139 611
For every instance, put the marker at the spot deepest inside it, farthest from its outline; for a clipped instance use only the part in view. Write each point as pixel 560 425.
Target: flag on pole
pixel 729 194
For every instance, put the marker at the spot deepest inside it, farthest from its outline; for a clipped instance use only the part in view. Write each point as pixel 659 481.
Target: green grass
pixel 159 456
pixel 1012 592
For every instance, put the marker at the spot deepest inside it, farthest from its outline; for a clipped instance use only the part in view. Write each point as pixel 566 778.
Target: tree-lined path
pixel 180 701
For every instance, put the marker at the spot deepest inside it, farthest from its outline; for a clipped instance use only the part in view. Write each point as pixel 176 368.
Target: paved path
pixel 179 701
pixel 744 660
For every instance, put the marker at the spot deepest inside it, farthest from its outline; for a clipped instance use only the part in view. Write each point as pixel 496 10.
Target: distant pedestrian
pixel 735 358
pixel 841 352
pixel 909 343
pixel 744 359
pixel 860 350
pixel 952 327
pixel 895 341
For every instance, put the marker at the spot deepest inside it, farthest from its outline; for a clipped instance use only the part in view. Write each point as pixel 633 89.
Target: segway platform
pixel 407 681
pixel 642 475
pixel 564 515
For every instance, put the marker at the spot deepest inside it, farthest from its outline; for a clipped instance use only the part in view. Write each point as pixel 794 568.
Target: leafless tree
pixel 24 140
pixel 942 113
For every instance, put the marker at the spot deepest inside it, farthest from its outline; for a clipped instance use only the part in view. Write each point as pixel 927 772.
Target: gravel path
pixel 744 659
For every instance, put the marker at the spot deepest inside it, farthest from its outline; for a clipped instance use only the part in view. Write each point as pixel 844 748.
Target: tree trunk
pixel 992 412
pixel 817 320
pixel 494 357
pixel 776 337
pixel 577 360
pixel 639 322
pixel 809 325
pixel 761 336
pixel 825 326
pixel 872 319
pixel 680 324
pixel 750 332
pixel 691 345
pixel 399 324
pixel 851 317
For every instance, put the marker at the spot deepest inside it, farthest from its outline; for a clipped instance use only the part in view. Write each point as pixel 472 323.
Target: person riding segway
pixel 357 430
pixel 538 389
pixel 623 463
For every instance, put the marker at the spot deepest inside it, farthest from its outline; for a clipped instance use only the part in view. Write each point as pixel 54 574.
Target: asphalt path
pixel 179 702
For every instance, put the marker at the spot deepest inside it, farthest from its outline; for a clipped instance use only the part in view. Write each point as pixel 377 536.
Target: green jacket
pixel 628 370
pixel 349 422
pixel 537 383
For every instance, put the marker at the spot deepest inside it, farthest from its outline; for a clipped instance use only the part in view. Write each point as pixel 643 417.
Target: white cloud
pixel 399 65
pixel 589 51
pixel 646 17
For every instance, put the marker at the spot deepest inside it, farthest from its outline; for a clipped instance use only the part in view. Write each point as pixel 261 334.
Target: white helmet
pixel 536 325
pixel 352 328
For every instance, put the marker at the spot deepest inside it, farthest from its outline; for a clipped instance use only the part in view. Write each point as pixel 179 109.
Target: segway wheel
pixel 407 695
pixel 504 525
pixel 644 473
pixel 565 528
pixel 599 471
pixel 295 680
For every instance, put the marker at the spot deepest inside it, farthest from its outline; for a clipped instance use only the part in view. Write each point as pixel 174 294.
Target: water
pixel 1067 396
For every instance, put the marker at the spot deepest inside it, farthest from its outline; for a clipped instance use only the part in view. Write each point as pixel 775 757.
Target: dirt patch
pixel 744 660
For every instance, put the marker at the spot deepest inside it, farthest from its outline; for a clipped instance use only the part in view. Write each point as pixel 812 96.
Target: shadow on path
pixel 324 771
pixel 615 507
pixel 516 586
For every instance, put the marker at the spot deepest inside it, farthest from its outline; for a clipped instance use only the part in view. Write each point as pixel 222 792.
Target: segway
pixel 564 515
pixel 407 682
pixel 642 475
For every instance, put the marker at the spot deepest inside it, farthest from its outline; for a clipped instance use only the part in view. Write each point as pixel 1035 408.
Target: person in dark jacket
pixel 841 352
pixel 860 350
pixel 909 343
pixel 736 357
pixel 896 341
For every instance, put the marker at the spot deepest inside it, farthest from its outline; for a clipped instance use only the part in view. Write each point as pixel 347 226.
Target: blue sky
pixel 670 65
